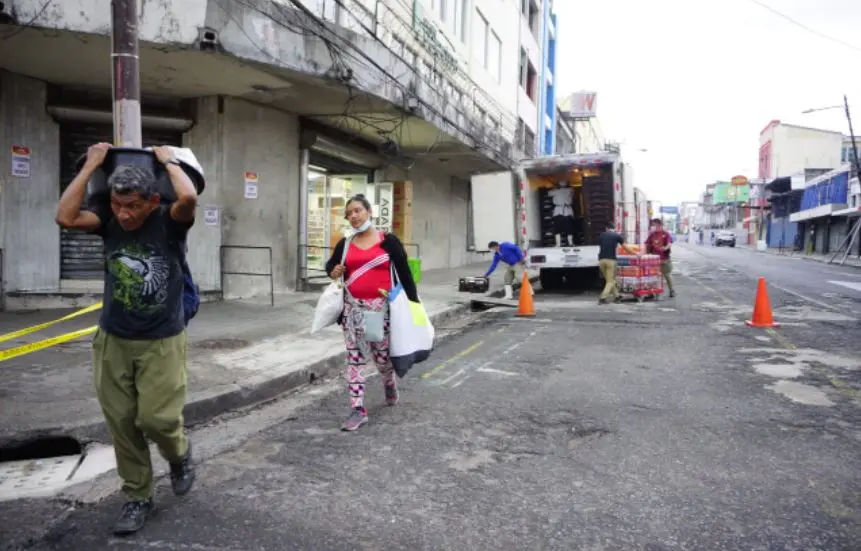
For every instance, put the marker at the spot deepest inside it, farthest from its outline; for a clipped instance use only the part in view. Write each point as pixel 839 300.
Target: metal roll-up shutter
pixel 81 254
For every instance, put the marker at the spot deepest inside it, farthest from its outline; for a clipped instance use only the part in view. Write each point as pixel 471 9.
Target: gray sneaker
pixel 392 396
pixel 356 419
pixel 133 517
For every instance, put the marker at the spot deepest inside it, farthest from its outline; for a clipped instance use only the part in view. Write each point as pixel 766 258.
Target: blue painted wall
pixel 547 94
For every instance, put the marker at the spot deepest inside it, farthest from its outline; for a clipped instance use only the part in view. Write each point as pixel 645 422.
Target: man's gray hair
pixel 133 179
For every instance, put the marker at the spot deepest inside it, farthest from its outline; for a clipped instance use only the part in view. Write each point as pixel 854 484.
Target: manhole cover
pixel 221 344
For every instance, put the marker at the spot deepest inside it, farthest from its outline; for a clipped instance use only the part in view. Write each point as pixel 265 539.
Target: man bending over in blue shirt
pixel 510 254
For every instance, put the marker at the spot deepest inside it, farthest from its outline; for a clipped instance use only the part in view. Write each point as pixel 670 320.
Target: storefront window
pixel 327 198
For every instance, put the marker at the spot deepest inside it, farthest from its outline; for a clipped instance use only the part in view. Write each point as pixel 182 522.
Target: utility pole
pixel 856 161
pixel 125 62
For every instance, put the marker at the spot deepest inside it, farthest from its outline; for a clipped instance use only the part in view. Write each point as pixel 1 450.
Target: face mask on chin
pixel 364 227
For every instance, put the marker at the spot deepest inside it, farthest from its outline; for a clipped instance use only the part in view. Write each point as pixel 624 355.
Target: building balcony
pixel 341 68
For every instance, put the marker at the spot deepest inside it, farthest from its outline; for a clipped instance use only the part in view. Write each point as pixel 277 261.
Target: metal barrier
pixel 306 272
pixel 268 274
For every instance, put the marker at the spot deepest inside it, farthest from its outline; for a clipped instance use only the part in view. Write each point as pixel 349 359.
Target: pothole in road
pixel 41 448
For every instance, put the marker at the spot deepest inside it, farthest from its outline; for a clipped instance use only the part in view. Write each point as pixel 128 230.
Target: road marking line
pixel 803 297
pixel 496 371
pixel 710 289
pixel 848 284
pixel 460 382
pixel 453 377
pixel 780 338
pixel 448 362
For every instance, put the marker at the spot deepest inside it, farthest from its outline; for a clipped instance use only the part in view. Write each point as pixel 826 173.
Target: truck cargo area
pixel 555 208
pixel 593 202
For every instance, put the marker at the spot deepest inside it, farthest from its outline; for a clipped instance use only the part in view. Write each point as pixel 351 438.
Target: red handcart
pixel 639 276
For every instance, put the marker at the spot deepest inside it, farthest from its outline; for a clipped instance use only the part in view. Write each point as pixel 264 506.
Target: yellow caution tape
pixel 33 329
pixel 46 343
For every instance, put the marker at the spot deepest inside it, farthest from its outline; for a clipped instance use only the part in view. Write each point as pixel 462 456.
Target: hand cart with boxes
pixel 639 276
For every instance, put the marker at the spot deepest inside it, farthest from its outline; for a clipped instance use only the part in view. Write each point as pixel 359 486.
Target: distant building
pixel 787 149
pixel 846 150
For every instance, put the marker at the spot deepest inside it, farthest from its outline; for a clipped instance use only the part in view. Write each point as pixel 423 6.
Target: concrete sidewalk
pixel 851 260
pixel 240 353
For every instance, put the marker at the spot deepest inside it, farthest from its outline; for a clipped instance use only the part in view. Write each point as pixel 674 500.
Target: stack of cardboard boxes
pixel 402 218
pixel 402 225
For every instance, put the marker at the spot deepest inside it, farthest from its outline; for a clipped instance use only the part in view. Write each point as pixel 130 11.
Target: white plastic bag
pixel 331 302
pixel 411 334
pixel 329 306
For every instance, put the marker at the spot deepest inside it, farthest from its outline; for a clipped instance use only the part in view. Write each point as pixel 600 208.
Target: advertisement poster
pixel 20 161
pixel 251 185
pixel 210 215
pixel 725 192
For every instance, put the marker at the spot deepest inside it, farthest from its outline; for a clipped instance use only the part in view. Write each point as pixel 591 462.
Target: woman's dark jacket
pixel 398 257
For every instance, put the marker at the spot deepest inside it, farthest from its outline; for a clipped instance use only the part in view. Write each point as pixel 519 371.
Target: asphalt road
pixel 665 425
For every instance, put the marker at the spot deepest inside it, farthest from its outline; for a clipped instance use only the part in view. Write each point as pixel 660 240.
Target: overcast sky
pixel 695 81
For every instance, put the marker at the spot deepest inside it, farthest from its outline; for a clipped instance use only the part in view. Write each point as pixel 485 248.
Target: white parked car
pixel 725 237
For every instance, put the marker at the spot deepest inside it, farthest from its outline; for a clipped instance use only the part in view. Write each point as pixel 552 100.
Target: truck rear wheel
pixel 550 279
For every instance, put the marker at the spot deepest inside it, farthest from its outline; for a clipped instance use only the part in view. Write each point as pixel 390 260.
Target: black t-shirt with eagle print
pixel 143 276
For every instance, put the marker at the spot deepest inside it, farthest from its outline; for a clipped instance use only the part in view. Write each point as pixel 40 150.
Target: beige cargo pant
pixel 141 386
pixel 666 271
pixel 608 272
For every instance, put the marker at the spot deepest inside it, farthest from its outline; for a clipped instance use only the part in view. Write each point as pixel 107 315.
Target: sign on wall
pixel 251 181
pixel 210 215
pixel 584 105
pixel 385 201
pixel 20 161
pixel 725 192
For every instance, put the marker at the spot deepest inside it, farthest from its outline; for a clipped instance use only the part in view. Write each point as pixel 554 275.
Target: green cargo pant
pixel 141 388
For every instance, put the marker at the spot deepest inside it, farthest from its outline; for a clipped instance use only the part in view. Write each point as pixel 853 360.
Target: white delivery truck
pixel 555 208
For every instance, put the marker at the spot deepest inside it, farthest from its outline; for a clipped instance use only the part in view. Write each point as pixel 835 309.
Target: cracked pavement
pixel 666 425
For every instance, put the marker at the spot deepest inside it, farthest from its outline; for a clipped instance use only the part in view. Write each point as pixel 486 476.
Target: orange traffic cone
pixel 525 304
pixel 762 316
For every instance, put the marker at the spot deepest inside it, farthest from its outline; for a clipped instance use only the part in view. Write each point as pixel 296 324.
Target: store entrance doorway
pixel 328 193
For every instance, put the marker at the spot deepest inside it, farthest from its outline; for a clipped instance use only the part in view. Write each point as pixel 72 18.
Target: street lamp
pixel 817 109
pixel 856 162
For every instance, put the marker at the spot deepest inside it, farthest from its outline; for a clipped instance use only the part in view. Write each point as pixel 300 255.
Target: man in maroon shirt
pixel 659 242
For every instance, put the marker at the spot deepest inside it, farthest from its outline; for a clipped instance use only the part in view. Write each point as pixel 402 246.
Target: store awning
pixel 850 212
pixel 817 212
pixel 779 185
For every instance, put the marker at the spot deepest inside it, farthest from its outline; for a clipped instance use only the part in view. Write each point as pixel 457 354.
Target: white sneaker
pixel 509 292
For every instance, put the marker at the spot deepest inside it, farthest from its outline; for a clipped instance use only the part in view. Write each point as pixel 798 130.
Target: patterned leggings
pixel 358 351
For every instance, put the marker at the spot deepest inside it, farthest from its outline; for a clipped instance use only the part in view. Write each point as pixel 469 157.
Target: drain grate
pixel 36 476
pixel 38 468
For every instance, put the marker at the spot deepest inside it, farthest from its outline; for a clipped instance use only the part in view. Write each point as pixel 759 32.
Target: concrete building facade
pixel 531 64
pixel 792 159
pixel 289 111
pixel 787 149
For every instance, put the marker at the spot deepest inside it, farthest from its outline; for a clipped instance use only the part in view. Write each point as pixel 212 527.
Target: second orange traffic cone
pixel 762 315
pixel 525 304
